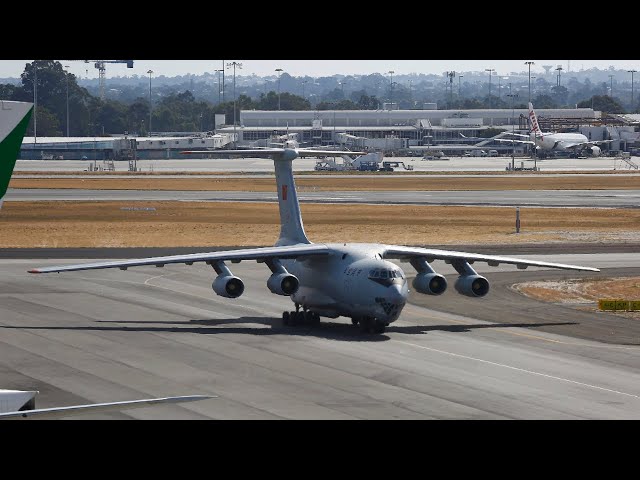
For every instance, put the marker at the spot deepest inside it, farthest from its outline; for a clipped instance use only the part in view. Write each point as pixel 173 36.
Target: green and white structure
pixel 14 118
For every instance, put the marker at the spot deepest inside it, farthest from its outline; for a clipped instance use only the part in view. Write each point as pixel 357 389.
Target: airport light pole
pixel 410 95
pixel 150 106
pixel 35 102
pixel 222 81
pixel 342 84
pixel 490 70
pixel 611 86
pixel 67 77
pixel 632 72
pixel 279 70
pixel 559 69
pixel 451 75
pixel 234 65
pixel 391 72
pixel 529 64
pixel 513 126
pixel 459 77
pixel 219 85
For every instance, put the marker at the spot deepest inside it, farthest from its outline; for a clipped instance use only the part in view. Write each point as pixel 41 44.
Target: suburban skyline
pixel 319 68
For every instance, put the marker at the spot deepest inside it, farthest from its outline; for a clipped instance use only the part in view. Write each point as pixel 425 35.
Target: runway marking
pixel 213 299
pixel 518 369
pixel 261 312
pixel 536 337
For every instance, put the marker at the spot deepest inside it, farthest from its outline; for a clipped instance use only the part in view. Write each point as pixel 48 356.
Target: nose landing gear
pixel 369 324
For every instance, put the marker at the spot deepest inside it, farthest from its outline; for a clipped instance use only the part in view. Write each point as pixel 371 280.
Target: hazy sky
pixel 316 68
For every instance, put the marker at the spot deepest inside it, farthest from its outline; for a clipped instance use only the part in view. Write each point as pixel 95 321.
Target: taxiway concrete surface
pixel 532 198
pixel 452 164
pixel 109 335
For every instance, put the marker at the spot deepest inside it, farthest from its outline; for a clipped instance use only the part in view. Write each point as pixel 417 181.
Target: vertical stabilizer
pixel 14 118
pixel 291 228
pixel 535 127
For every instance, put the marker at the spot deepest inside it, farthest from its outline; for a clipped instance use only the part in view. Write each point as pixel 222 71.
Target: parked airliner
pixel 355 280
pixel 556 141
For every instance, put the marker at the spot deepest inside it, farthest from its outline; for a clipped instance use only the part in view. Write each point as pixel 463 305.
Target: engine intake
pixel 430 283
pixel 594 150
pixel 228 286
pixel 283 284
pixel 472 285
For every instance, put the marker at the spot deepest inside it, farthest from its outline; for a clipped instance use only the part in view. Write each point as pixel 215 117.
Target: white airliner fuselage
pixel 558 141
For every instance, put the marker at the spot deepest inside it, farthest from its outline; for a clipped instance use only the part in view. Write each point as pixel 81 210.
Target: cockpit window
pixel 386 277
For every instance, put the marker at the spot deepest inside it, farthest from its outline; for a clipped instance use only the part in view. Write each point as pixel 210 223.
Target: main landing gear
pixel 369 324
pixel 300 317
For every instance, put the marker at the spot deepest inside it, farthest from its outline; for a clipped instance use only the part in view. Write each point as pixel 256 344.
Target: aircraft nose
pixel 395 294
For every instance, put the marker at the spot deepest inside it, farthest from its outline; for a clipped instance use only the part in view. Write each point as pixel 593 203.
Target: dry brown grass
pixel 106 224
pixel 328 183
pixel 584 291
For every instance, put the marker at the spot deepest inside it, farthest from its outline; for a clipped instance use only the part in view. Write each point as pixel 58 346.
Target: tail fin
pixel 14 118
pixel 291 228
pixel 535 127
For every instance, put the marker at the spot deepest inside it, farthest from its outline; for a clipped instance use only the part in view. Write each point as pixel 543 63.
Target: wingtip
pixel 34 270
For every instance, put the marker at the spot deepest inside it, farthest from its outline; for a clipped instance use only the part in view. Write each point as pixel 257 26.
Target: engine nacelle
pixel 283 284
pixel 594 150
pixel 228 286
pixel 472 285
pixel 430 283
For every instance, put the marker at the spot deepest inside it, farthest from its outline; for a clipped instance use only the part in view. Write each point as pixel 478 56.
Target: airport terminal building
pixel 397 129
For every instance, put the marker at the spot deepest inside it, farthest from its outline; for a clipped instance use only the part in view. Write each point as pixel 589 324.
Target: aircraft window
pixel 399 274
pixel 392 274
pixel 372 273
pixel 383 274
pixel 359 271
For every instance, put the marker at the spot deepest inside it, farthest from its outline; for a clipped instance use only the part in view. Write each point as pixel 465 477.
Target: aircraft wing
pixel 244 152
pixel 289 251
pixel 58 412
pixel 587 144
pixel 406 253
pixel 307 152
pixel 530 142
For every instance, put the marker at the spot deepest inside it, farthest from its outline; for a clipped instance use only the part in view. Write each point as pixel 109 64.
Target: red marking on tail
pixel 284 192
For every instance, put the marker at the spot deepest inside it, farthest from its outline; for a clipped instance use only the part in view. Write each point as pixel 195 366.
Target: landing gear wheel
pixel 355 320
pixel 366 324
pixel 378 327
pixel 315 319
pixel 300 317
pixel 293 318
pixel 308 317
pixel 285 318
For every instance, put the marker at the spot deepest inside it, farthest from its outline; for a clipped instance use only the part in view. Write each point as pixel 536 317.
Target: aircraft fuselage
pixel 352 281
pixel 558 141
